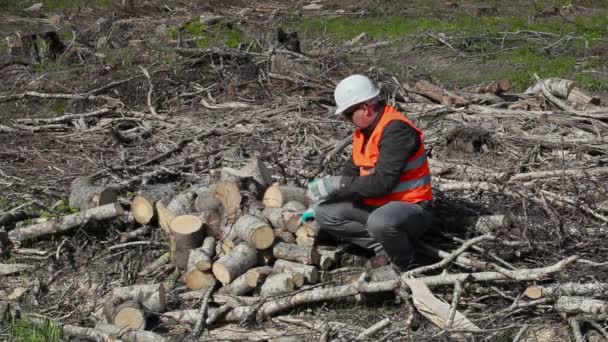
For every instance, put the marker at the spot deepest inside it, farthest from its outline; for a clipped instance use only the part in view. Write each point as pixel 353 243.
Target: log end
pixel 142 209
pixel 273 197
pixel 129 316
pixel 197 279
pixel 533 292
pixel 186 224
pixel 262 238
pixel 221 273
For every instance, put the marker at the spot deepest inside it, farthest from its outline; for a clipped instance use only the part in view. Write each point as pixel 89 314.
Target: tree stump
pixel 186 234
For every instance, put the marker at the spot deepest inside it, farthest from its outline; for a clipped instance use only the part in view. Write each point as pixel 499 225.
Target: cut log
pixel 257 275
pixel 130 335
pixel 297 253
pixel 567 289
pixel 557 86
pixel 66 223
pixel 186 234
pixel 578 96
pixel 311 273
pixel 285 236
pixel 234 263
pixel 238 287
pixel 278 195
pixel 202 257
pixel 229 195
pixel 85 195
pixel 329 256
pixel 581 305
pixel 254 231
pixel 164 214
pixel 282 218
pixel 294 206
pixel 253 177
pixel 307 234
pixel 135 234
pixel 277 284
pixel 143 203
pixel 494 87
pixel 129 315
pixel 197 279
pixel 438 94
pixel 151 298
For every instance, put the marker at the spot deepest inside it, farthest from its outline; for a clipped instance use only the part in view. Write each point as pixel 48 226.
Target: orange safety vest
pixel 414 183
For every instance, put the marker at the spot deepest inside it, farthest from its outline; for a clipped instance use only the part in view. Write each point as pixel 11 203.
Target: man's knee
pixel 397 216
pixel 328 215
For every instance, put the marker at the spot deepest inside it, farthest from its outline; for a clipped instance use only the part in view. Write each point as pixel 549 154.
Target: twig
pixel 150 90
pixel 576 330
pixel 599 328
pixel 200 321
pixel 137 243
pixel 365 334
pixel 450 258
pixel 520 333
pixel 453 307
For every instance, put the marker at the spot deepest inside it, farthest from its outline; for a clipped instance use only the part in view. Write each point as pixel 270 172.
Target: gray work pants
pixel 388 230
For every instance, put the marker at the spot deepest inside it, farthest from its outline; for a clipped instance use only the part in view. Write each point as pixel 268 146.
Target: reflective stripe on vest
pixel 414 182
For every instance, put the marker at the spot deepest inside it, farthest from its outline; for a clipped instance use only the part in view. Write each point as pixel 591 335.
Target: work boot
pixel 377 261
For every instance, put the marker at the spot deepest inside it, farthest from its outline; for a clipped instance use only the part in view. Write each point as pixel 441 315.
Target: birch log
pixel 307 234
pixel 581 305
pixel 277 284
pixel 567 289
pixel 143 204
pixel 557 86
pixel 186 234
pixel 278 195
pixel 282 218
pixel 311 273
pixel 294 252
pixel 254 231
pixel 66 223
pixel 85 195
pixel 234 263
pixel 130 335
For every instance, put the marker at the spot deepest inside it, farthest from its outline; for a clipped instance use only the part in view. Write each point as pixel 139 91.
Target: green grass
pixel 24 330
pixel 515 57
pixel 221 34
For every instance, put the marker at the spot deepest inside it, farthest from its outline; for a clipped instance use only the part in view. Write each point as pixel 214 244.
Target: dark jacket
pixel 398 142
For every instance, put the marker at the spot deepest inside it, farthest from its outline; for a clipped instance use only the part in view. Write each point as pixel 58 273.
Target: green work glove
pixel 320 188
pixel 308 215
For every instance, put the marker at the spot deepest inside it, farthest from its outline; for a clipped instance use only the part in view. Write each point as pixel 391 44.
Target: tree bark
pixel 307 234
pixel 494 87
pixel 294 206
pixel 557 86
pixel 207 204
pixel 278 195
pixel 581 305
pixel 8 269
pixel 234 263
pixel 238 286
pixel 66 223
pixel 296 253
pixel 310 272
pixel 277 284
pixel 85 195
pixel 567 289
pixel 229 195
pixel 202 257
pixel 151 297
pixel 282 218
pixel 130 335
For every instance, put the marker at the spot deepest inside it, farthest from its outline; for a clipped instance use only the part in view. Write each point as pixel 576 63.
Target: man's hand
pixel 320 188
pixel 308 215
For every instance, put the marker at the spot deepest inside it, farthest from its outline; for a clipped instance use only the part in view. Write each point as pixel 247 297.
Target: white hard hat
pixel 353 90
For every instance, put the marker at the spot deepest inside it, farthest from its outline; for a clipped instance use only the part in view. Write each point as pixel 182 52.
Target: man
pixel 379 200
